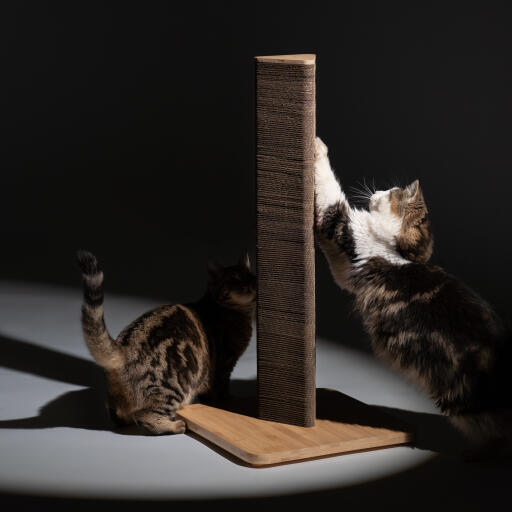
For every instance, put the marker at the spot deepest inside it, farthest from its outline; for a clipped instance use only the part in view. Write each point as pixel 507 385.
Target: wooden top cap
pixel 303 58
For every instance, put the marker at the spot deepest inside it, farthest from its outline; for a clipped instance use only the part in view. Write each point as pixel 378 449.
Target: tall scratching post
pixel 285 133
pixel 292 421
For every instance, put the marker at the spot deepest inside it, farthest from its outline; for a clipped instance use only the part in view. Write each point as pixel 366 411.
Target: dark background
pixel 129 131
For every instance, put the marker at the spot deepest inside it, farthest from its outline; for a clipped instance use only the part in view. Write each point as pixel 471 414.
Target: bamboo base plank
pixel 343 425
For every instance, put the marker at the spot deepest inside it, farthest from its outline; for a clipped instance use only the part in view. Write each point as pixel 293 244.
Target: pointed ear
pixel 214 269
pixel 244 260
pixel 416 208
pixel 413 188
pixel 415 240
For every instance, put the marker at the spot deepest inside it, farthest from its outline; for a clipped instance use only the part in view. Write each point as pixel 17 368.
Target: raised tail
pixel 100 343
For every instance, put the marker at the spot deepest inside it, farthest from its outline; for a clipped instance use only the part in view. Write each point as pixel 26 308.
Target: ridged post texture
pixel 285 132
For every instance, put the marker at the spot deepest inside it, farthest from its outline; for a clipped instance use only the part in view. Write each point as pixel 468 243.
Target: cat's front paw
pixel 327 189
pixel 320 149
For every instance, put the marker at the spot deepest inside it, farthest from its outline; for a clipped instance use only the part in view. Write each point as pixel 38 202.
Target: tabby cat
pixel 421 320
pixel 170 356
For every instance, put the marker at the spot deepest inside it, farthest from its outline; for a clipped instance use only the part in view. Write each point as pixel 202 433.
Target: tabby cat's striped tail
pixel 100 343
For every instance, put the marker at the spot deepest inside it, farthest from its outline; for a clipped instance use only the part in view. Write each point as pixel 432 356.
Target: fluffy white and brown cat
pixel 422 321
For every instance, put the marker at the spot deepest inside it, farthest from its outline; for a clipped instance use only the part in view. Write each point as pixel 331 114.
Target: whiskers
pixel 363 193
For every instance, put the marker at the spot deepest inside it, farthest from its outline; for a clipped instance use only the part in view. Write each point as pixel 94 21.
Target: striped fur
pixel 421 320
pixel 100 343
pixel 174 354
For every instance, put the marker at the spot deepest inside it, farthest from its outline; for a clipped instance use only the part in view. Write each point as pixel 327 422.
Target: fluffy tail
pixel 100 343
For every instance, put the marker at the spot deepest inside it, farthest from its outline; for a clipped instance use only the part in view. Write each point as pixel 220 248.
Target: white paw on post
pixel 327 188
pixel 320 148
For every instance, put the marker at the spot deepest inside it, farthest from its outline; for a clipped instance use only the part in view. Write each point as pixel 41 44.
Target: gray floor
pixel 55 437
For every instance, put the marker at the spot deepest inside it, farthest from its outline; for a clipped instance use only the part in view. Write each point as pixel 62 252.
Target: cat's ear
pixel 415 240
pixel 214 269
pixel 244 260
pixel 413 188
pixel 416 207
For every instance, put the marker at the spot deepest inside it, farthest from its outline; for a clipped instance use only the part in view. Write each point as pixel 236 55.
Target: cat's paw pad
pixel 320 149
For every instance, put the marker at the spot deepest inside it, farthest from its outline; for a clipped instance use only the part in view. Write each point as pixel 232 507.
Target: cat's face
pixel 403 216
pixel 233 286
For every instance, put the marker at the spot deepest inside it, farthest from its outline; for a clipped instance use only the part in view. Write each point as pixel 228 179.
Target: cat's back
pixel 413 282
pixel 379 283
pixel 165 357
pixel 165 325
pixel 425 298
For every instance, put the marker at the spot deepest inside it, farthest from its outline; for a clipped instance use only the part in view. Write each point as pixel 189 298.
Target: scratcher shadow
pixel 432 432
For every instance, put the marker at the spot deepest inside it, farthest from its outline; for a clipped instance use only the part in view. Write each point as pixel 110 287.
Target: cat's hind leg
pixel 486 434
pixel 159 422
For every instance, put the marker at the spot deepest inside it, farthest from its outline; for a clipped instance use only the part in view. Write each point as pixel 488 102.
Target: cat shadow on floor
pixel 83 408
pixel 86 408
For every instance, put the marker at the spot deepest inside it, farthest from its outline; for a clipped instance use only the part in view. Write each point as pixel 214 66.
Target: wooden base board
pixel 343 425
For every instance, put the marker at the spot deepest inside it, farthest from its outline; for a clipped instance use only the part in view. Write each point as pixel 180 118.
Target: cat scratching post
pixel 293 421
pixel 285 136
